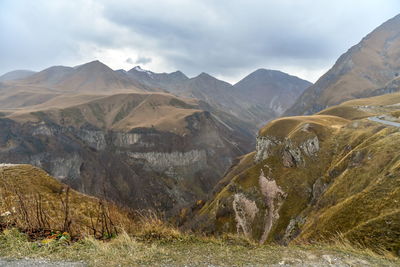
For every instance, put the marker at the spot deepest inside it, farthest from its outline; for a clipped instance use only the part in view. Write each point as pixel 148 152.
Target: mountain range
pixel 217 157
pixel 142 139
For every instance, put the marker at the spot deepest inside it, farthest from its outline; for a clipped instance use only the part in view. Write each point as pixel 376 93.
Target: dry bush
pixel 150 225
pixel 36 203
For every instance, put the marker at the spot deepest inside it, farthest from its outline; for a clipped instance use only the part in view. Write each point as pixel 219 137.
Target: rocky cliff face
pixel 313 177
pixel 162 165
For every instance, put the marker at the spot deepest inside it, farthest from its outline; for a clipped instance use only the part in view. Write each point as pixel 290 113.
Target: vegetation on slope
pixel 313 178
pixel 35 202
pixel 141 240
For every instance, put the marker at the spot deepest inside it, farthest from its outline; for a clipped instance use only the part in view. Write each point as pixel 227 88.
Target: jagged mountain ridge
pixel 254 100
pixel 167 81
pixel 257 98
pixel 362 71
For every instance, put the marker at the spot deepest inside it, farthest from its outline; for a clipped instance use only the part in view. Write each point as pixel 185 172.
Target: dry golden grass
pixel 119 111
pixel 33 201
pixel 148 240
pixel 284 127
pixel 125 250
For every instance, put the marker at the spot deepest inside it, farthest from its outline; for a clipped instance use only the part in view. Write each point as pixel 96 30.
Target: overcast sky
pixel 227 39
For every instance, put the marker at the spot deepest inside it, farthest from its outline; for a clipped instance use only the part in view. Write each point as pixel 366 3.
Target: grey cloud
pixel 222 38
pixel 219 37
pixel 140 60
pixel 143 60
pixel 129 60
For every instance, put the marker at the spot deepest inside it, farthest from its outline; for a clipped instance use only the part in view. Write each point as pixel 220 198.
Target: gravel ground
pixel 36 262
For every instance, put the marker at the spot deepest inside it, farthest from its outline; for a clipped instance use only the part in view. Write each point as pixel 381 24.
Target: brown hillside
pixel 362 71
pixel 314 177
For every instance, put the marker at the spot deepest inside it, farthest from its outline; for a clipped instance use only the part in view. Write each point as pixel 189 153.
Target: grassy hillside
pixel 314 178
pixel 35 202
pixel 120 112
pixel 39 206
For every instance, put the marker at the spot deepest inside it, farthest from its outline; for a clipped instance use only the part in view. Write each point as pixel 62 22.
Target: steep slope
pixel 33 200
pixel 272 88
pixel 313 177
pixel 142 150
pixel 16 75
pixel 223 96
pixel 259 97
pixel 360 72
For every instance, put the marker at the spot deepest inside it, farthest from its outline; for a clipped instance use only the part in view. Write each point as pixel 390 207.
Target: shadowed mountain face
pixel 275 89
pixel 258 98
pixel 166 81
pixel 364 70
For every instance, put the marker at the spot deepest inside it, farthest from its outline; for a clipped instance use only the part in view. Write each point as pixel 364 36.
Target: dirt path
pixel 35 262
pixel 391 123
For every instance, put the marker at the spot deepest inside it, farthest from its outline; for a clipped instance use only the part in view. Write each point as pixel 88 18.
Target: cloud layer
pixel 228 39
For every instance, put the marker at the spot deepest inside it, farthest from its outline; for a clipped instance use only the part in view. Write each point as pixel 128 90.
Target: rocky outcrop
pixel 245 212
pixel 264 146
pixel 140 168
pixel 292 155
pixel 196 159
pixel 126 139
pixel 270 188
pixel 273 197
pixel 93 138
pixel 310 147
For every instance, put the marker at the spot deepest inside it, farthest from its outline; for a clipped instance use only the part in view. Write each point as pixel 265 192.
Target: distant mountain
pixel 16 75
pixel 256 99
pixel 166 81
pixel 90 77
pixel 272 88
pixel 209 89
pixel 362 71
pixel 48 77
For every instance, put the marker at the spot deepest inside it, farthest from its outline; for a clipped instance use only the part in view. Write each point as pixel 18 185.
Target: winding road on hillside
pixel 38 262
pixel 391 123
